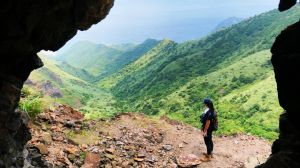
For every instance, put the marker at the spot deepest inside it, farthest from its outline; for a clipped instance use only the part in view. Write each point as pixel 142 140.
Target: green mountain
pixel 132 55
pixel 77 72
pixel 141 63
pixel 226 23
pixel 90 56
pixel 123 47
pixel 244 95
pixel 226 66
pixel 102 59
pixel 60 87
pixel 167 69
pixel 231 66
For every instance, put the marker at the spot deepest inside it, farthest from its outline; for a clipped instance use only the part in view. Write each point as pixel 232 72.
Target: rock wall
pixel 26 28
pixel 285 60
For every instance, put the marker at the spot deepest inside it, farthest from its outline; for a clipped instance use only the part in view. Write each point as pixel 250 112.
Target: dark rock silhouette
pixel 26 28
pixel 285 60
pixel 14 135
pixel 286 4
pixel 30 26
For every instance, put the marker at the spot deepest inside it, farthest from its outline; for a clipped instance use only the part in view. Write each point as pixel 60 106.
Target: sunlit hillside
pixel 75 92
pixel 231 66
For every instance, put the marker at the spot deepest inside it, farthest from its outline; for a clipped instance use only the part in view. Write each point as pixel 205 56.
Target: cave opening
pixel 31 26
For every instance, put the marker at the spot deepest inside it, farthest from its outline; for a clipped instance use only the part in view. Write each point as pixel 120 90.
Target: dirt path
pixel 238 150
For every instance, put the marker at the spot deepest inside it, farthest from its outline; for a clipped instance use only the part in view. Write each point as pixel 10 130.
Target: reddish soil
pixel 116 139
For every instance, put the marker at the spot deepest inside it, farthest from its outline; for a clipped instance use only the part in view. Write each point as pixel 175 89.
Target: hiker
pixel 208 128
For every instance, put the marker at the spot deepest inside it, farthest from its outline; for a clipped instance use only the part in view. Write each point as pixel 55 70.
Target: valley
pixel 231 66
pixel 72 91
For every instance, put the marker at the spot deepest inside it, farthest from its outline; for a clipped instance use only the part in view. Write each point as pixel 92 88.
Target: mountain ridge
pixel 226 23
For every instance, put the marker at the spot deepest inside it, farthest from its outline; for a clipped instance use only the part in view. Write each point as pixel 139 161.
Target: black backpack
pixel 214 121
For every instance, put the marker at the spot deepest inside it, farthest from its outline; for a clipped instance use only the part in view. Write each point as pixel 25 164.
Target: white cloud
pixel 48 53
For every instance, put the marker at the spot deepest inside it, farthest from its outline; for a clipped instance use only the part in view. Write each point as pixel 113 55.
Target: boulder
pixel 42 148
pixel 91 160
pixel 47 139
pixel 139 159
pixel 71 157
pixel 110 150
pixel 167 147
pixel 187 160
pixel 141 154
pixel 110 156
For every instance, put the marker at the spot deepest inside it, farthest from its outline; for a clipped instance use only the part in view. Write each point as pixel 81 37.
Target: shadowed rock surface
pixel 286 4
pixel 26 28
pixel 285 60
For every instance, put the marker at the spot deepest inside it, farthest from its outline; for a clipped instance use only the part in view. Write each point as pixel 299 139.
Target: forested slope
pixel 77 72
pixel 71 90
pixel 174 78
pixel 186 61
pixel 103 59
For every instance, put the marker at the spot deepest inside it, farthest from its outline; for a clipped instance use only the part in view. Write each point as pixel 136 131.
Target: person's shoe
pixel 212 154
pixel 206 159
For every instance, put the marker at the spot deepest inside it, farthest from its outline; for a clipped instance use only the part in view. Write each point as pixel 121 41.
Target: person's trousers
pixel 209 143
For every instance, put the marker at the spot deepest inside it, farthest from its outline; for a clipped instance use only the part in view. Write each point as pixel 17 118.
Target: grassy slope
pixel 92 98
pixel 174 78
pixel 77 72
pixel 130 56
pixel 76 50
pixel 151 56
pixel 103 59
pixel 236 115
pixel 191 59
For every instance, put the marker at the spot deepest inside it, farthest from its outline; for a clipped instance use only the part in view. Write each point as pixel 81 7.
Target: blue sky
pixel 133 21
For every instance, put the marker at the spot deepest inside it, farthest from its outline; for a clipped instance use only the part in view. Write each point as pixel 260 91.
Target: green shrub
pixel 246 79
pixel 25 91
pixel 155 111
pixel 186 114
pixel 31 107
pixel 234 79
pixel 82 155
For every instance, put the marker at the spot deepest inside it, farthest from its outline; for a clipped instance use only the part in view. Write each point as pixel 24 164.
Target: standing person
pixel 207 129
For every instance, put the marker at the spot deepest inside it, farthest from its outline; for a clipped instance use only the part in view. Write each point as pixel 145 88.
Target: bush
pixel 186 114
pixel 31 107
pixel 155 111
pixel 25 92
pixel 246 79
pixel 175 107
pixel 234 79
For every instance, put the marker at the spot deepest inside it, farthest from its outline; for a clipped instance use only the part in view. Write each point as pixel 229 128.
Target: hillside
pixel 103 59
pixel 153 84
pixel 226 23
pixel 244 91
pixel 184 62
pixel 90 56
pixel 133 140
pixel 231 66
pixel 155 55
pixel 77 72
pixel 60 87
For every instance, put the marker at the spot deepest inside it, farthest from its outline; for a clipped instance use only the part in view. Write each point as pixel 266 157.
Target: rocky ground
pixel 63 138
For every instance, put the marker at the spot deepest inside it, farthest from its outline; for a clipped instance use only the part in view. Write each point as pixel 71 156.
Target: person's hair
pixel 211 106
